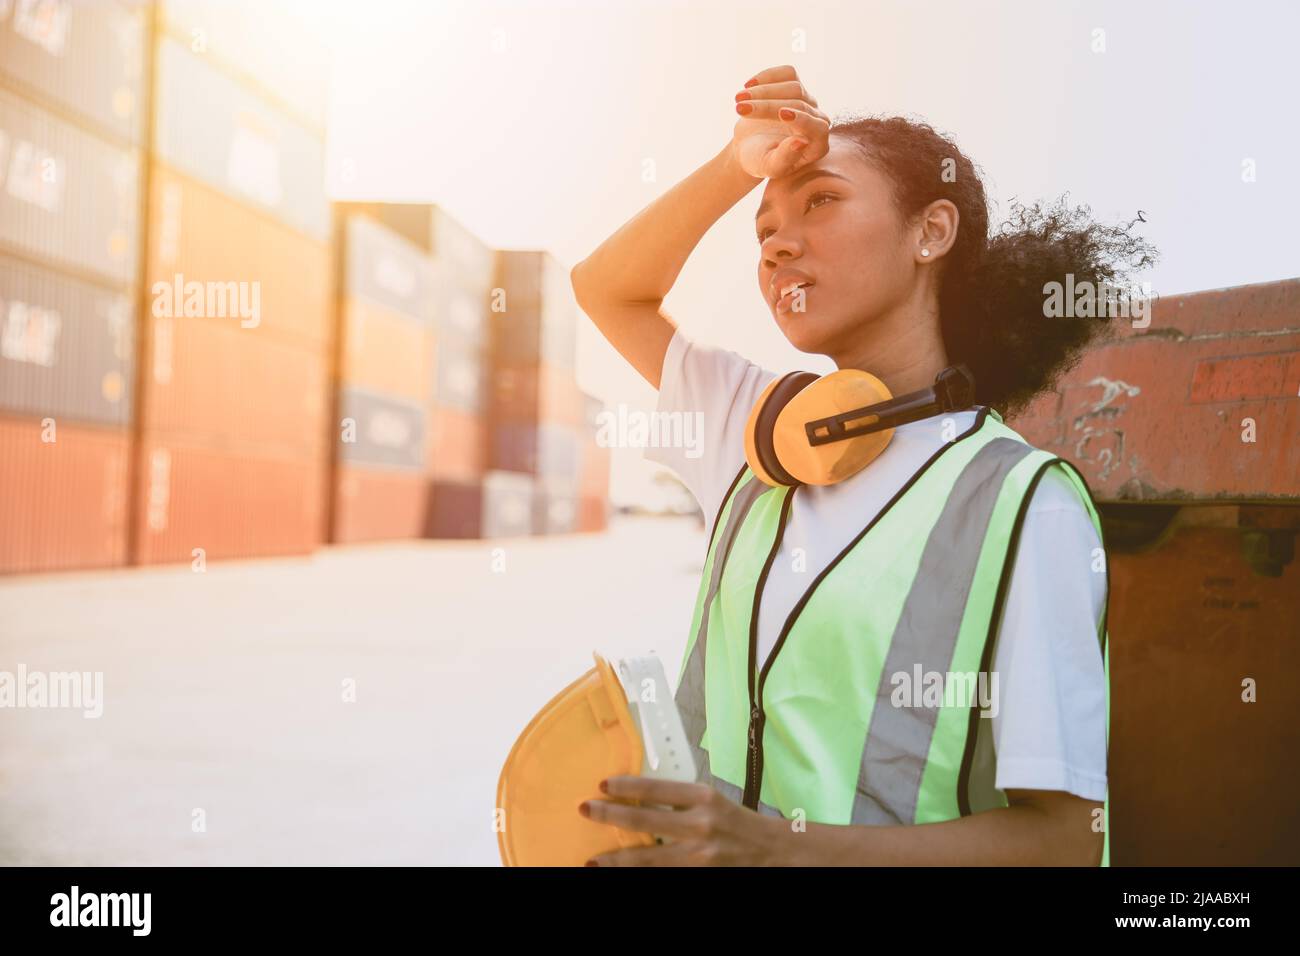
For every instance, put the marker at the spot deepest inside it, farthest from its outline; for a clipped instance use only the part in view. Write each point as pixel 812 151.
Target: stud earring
pixel 925 252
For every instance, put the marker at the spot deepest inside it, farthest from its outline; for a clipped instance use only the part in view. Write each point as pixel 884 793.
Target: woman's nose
pixel 774 255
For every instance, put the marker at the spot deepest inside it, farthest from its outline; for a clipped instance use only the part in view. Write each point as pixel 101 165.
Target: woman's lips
pixel 786 302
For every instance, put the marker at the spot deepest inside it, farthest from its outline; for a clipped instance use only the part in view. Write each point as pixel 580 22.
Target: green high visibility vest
pixel 813 733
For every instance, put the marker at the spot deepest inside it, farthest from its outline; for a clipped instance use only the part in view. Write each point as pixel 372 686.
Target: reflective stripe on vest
pixel 917 592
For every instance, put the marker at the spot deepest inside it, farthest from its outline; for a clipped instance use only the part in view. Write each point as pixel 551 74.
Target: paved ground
pixel 223 691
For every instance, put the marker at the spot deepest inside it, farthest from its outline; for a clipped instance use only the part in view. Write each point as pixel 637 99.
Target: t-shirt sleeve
pixel 705 397
pixel 1050 730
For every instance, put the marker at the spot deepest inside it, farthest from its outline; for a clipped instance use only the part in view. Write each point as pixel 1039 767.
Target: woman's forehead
pixel 842 159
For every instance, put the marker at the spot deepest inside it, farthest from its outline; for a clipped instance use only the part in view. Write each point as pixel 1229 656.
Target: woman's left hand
pixel 706 829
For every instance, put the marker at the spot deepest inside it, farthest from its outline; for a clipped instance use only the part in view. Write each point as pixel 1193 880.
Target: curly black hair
pixel 993 285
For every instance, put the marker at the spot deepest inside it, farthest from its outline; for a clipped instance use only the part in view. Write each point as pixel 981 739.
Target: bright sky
pixel 533 123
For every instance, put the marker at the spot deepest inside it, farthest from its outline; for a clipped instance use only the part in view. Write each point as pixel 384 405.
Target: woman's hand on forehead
pixel 781 129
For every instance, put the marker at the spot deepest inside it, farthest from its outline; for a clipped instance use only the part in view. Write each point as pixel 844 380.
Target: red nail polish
pixel 604 786
pixel 786 113
pixel 743 95
pixel 751 82
pixel 584 809
pixel 744 108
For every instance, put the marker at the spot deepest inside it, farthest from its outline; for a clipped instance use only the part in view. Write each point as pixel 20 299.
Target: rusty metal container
pixel 1186 430
pixel 1163 413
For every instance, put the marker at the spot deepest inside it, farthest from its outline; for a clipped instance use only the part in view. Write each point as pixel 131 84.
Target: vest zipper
pixel 757 717
pixel 754 752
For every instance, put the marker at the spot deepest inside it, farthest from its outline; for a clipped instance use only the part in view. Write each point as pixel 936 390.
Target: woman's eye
pixel 811 204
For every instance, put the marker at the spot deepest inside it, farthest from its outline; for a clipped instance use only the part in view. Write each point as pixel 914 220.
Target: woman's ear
pixel 936 230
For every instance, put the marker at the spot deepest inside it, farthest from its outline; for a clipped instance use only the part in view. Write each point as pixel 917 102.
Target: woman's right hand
pixel 768 144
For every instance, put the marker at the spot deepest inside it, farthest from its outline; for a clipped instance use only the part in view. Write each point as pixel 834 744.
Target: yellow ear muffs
pixel 762 420
pixel 776 440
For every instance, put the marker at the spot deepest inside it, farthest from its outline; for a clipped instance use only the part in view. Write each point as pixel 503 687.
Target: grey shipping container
pixel 539 318
pixel 252 39
pixel 527 334
pixel 455 510
pixel 507 504
pixel 550 451
pixel 378 430
pixel 387 269
pixel 460 250
pixel 559 451
pixel 591 409
pixel 460 376
pixel 466 257
pixel 217 130
pixel 554 513
pixel 66 347
pixel 87 57
pixel 67 196
pixel 460 309
pixel 519 274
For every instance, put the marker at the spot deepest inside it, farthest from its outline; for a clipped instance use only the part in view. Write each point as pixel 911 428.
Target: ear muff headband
pixel 953 390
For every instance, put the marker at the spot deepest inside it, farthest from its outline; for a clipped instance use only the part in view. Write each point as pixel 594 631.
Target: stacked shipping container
pixel 385 379
pixel 464 501
pixel 72 84
pixel 234 381
pixel 167 307
pixel 541 422
pixel 593 485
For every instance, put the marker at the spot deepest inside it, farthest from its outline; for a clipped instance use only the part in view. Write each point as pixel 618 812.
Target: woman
pixel 823 606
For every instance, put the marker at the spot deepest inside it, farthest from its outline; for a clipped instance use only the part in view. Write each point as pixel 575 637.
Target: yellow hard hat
pixel 585 734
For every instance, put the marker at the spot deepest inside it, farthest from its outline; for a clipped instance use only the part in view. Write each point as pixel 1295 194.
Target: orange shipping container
pixel 204 236
pixel 385 351
pixel 457 449
pixel 593 513
pixel 62 503
pixel 528 394
pixel 235 389
pixel 228 505
pixel 594 477
pixel 371 504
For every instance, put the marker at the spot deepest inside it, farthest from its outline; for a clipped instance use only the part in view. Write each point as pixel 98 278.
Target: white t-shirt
pixel 1049 730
